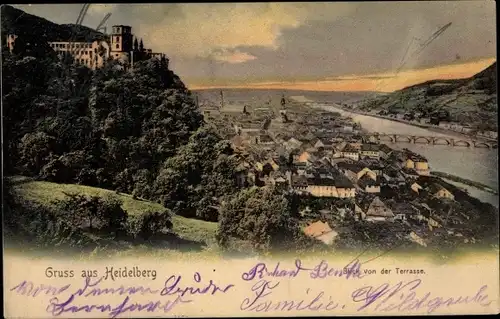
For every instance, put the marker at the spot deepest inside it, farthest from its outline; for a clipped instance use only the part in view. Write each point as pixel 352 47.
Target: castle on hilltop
pixel 119 45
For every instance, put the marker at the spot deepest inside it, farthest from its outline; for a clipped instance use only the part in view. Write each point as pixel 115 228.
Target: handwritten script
pixel 263 288
pixel 404 297
pixel 400 298
pixel 319 271
pixel 164 299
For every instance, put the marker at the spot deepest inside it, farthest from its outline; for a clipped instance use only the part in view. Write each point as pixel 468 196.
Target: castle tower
pixel 11 39
pixel 121 42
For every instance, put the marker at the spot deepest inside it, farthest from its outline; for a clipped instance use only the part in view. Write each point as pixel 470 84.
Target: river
pixel 477 164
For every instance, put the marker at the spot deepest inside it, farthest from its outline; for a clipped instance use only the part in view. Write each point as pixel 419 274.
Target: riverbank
pixel 476 164
pixel 429 127
pixel 465 181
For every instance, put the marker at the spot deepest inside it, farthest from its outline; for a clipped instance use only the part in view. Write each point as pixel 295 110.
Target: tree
pixel 202 171
pixel 112 213
pixel 35 149
pixel 149 224
pixel 136 45
pixel 81 210
pixel 31 45
pixel 94 212
pixel 266 219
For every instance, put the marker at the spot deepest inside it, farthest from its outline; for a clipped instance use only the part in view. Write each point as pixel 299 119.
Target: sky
pixel 331 46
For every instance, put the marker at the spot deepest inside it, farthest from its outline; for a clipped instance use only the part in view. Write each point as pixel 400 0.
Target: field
pixel 188 230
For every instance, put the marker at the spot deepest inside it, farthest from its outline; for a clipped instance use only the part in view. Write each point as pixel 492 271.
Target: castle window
pixel 117 46
pixel 117 39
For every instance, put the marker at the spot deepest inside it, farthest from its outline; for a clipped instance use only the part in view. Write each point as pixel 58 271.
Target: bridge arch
pixel 385 138
pixel 481 145
pixel 422 140
pixel 461 143
pixel 403 138
pixel 441 141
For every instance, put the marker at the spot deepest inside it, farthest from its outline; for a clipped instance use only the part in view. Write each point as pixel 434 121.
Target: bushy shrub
pixel 147 225
pixel 112 213
pixel 93 212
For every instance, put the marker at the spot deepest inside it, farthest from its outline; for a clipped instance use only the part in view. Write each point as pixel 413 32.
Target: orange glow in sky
pixel 389 81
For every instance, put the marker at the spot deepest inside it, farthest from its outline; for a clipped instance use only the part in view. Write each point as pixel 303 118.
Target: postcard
pixel 250 159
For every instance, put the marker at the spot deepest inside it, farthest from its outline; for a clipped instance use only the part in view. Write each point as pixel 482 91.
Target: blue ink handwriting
pixel 264 288
pixel 57 308
pixel 171 287
pixel 404 298
pixel 27 288
pixel 320 271
pixel 352 270
pixel 260 271
pixel 175 287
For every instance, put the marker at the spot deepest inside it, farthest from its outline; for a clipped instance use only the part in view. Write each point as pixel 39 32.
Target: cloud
pixel 232 56
pixel 199 29
pixel 294 42
pixel 101 8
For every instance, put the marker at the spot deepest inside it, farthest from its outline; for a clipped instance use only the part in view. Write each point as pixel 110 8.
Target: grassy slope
pixel 189 229
pixel 186 228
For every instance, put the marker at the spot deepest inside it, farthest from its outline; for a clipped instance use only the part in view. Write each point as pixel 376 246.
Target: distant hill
pixel 250 96
pixel 469 101
pixel 21 23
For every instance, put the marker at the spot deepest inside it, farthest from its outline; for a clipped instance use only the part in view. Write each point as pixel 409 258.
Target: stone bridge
pixel 430 140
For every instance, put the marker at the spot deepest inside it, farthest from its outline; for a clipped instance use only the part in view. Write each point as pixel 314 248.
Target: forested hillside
pixel 134 131
pixel 111 128
pixel 470 101
pixel 21 23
